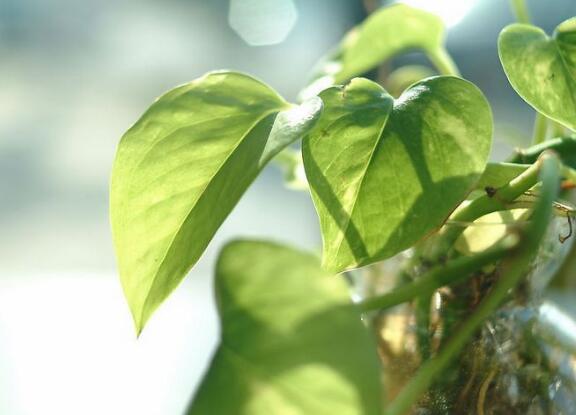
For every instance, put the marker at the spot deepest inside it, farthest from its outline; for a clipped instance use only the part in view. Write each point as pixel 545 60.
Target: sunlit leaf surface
pixel 291 342
pixel 384 173
pixel 181 169
pixel 542 69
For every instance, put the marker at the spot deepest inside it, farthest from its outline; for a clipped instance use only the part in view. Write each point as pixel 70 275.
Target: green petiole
pixel 443 62
pixel 540 128
pixel 520 11
pixel 493 201
pixel 439 276
pixel 513 268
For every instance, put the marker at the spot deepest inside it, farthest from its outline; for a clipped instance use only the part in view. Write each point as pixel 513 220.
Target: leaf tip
pixel 140 315
pixel 138 330
pixel 139 322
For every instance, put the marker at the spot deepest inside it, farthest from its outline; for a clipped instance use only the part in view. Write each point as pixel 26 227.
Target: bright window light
pixel 451 11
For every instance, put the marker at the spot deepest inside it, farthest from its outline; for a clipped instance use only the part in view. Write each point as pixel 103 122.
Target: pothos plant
pixel 392 173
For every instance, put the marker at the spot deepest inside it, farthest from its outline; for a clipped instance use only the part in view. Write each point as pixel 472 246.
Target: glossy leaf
pixel 384 172
pixel 181 169
pixel 387 32
pixel 542 69
pixel 291 343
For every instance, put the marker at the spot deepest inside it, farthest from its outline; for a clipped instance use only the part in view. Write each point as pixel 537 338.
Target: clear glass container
pixel 522 361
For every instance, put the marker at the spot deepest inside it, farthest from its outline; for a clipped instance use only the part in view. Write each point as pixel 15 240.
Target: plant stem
pixel 494 200
pixel 513 269
pixel 520 11
pixel 563 146
pixel 422 314
pixel 557 129
pixel 443 62
pixel 439 276
pixel 540 128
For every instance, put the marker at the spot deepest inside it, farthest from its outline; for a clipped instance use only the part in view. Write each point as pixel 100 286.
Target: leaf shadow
pixel 327 195
pixel 419 220
pixel 327 338
pixel 421 217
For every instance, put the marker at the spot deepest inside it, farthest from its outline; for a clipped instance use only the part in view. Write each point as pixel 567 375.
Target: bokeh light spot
pixel 262 22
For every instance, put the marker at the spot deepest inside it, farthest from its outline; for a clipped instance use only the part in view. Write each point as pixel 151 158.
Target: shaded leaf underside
pixel 282 348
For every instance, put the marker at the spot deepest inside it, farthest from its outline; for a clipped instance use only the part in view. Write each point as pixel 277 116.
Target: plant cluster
pixel 389 169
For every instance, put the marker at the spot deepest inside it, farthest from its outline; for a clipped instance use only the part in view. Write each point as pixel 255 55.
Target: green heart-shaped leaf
pixel 291 343
pixel 541 69
pixel 385 172
pixel 181 169
pixel 387 32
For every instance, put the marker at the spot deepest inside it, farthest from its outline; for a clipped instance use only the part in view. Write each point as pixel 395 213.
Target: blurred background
pixel 74 75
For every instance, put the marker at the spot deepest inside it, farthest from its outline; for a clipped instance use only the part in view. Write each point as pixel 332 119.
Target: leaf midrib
pixel 357 193
pixel 176 131
pixel 179 229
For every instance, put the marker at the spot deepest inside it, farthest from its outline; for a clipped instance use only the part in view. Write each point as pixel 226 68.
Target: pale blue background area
pixel 73 76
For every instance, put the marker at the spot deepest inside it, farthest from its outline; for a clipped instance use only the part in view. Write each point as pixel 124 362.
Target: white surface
pixel 67 347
